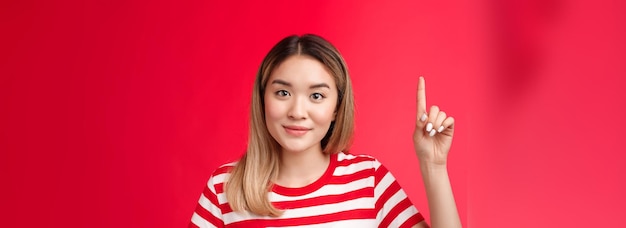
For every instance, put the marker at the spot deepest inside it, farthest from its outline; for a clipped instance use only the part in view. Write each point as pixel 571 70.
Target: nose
pixel 297 109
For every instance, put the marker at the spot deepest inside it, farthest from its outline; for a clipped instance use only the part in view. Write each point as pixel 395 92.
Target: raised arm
pixel 432 139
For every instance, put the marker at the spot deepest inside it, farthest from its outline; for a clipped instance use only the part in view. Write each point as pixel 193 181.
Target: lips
pixel 296 130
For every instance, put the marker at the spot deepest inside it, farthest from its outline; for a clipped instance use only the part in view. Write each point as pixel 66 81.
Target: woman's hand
pixel 432 139
pixel 433 133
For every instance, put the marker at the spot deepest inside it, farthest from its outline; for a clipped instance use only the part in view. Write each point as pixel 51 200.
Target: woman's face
pixel 300 100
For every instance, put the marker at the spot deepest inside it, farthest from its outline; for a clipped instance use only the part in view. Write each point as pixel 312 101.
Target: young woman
pixel 296 173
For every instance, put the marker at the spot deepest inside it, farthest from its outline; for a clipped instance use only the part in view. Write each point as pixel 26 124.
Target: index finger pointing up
pixel 421 97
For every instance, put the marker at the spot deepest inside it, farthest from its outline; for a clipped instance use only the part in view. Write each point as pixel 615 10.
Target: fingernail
pixel 429 126
pixel 440 129
pixel 423 118
pixel 432 133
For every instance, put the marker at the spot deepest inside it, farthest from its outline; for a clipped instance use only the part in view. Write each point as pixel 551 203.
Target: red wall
pixel 114 113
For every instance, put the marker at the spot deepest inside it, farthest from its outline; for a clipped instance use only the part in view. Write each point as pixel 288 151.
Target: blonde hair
pixel 250 179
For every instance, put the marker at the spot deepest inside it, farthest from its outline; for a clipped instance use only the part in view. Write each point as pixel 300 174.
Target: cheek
pixel 324 115
pixel 273 111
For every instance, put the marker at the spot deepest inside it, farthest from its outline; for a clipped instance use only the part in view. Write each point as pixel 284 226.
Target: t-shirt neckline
pixel 317 184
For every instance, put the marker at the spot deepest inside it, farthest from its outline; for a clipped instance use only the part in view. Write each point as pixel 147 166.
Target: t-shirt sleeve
pixel 207 212
pixel 394 209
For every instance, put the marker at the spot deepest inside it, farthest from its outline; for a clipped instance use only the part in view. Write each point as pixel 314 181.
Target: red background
pixel 114 113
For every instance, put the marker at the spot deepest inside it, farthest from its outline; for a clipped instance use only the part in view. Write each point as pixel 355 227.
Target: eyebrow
pixel 281 82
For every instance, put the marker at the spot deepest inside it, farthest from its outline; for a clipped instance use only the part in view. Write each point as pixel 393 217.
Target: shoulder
pixel 221 174
pixel 361 160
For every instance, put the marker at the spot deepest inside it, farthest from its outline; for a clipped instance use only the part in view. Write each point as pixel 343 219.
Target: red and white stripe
pixel 356 191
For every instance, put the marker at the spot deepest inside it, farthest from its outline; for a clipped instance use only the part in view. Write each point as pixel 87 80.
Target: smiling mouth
pixel 296 130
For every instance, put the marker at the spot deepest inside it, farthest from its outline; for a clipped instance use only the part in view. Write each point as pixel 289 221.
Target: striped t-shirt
pixel 355 191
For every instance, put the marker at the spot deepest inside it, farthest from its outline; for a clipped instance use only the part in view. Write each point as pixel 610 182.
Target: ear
pixel 334 115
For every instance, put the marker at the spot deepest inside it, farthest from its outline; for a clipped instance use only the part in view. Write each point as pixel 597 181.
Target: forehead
pixel 302 69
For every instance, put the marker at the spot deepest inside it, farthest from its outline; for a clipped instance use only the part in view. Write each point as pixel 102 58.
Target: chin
pixel 295 147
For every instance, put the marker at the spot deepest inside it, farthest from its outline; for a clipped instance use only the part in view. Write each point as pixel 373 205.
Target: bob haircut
pixel 251 178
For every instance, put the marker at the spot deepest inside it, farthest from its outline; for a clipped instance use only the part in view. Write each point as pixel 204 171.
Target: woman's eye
pixel 282 93
pixel 317 96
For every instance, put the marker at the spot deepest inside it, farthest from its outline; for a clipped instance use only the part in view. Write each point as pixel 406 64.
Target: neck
pixel 300 168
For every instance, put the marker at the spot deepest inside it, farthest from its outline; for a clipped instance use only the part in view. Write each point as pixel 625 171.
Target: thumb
pixel 420 124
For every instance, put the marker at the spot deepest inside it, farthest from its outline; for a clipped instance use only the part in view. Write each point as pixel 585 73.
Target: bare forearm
pixel 443 211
